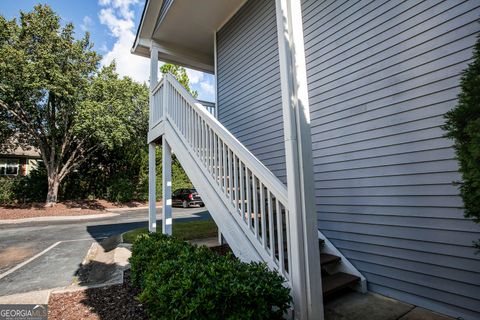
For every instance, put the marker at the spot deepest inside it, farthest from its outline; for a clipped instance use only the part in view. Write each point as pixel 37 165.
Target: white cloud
pixel 207 87
pixel 87 23
pixel 118 16
pixel 103 48
pixel 194 76
pixel 116 24
pixel 203 83
pixel 119 19
pixel 122 6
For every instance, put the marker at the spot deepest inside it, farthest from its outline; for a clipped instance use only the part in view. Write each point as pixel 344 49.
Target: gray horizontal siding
pixel 248 76
pixel 381 75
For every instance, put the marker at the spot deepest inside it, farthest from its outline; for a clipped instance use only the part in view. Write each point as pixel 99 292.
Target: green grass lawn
pixel 182 230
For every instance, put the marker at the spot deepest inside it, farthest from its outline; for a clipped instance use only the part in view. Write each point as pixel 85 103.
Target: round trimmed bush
pixel 181 281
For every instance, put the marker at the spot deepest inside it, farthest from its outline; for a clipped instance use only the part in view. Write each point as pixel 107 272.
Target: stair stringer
pixel 238 241
pixel 345 265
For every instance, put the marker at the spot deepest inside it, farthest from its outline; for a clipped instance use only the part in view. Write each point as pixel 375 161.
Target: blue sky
pixel 112 25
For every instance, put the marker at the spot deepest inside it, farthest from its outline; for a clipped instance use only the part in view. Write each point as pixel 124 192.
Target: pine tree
pixel 463 126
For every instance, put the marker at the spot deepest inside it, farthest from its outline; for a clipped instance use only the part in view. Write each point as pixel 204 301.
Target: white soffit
pixel 185 33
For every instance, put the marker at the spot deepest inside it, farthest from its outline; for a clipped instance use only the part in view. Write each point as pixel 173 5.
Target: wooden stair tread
pixel 326 259
pixel 337 281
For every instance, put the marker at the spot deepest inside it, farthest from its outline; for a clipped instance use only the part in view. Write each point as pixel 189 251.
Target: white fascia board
pixel 146 27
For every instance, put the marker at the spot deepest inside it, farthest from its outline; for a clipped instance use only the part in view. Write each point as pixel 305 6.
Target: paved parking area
pixel 45 255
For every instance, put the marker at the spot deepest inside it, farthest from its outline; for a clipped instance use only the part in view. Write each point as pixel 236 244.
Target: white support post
pixel 152 189
pixel 153 77
pixel 305 273
pixel 152 177
pixel 166 187
pixel 216 72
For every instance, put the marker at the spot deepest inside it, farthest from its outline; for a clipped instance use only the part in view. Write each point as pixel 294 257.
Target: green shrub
pixel 149 248
pixel 32 188
pixel 7 190
pixel 120 190
pixel 463 126
pixel 181 281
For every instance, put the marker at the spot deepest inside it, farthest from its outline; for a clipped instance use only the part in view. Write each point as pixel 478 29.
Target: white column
pixel 166 187
pixel 152 178
pixel 153 76
pixel 216 72
pixel 305 273
pixel 152 189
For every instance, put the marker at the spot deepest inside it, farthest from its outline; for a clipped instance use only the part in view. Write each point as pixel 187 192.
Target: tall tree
pixel 53 98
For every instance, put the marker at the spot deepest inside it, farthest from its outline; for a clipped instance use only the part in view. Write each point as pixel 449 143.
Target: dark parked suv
pixel 186 198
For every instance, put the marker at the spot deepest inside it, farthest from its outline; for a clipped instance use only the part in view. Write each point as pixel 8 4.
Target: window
pixel 9 167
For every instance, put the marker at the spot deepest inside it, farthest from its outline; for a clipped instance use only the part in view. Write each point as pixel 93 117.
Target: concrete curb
pixel 60 218
pixel 90 253
pixel 129 209
pixel 86 287
pixel 32 297
pixel 120 258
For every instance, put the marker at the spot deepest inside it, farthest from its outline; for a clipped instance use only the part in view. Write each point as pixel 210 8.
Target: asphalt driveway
pixel 45 255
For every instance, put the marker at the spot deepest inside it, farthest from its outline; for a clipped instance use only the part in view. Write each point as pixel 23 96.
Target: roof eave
pixel 141 45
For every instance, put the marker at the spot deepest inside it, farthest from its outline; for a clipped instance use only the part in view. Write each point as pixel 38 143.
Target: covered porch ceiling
pixel 183 30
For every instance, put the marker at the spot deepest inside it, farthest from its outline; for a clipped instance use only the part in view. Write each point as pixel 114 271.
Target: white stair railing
pixel 156 106
pixel 256 198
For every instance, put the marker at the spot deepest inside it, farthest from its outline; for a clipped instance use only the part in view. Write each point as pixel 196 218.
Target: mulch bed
pixel 107 303
pixel 65 208
pixel 113 302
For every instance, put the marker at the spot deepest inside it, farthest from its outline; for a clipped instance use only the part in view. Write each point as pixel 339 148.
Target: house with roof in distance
pixel 18 162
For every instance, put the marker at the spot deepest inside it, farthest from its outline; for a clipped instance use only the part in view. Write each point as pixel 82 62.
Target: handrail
pixel 244 153
pixel 158 86
pixel 256 197
pixel 156 103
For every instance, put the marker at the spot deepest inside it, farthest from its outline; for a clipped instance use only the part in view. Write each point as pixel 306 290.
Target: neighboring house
pixel 328 113
pixel 18 162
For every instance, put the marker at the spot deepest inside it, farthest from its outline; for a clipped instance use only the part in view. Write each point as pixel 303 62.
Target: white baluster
pixel 224 168
pixel 263 216
pixel 281 260
pixel 235 182
pixel 242 190
pixel 271 234
pixel 255 205
pixel 230 175
pixel 248 199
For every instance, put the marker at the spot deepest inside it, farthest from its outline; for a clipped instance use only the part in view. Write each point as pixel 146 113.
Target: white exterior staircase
pixel 246 200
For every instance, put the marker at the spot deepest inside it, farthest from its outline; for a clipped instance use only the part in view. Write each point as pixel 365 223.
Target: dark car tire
pixel 185 204
pixel 202 205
